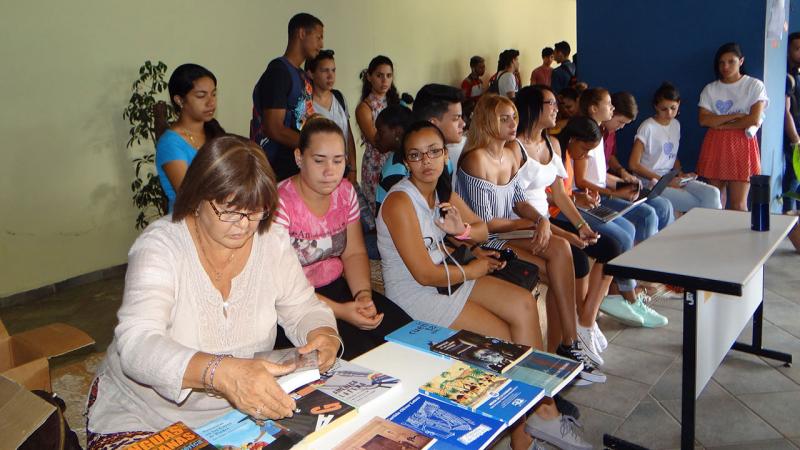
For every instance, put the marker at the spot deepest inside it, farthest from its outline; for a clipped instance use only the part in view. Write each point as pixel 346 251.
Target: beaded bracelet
pixel 211 391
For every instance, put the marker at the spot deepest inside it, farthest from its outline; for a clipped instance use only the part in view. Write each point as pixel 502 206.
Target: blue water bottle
pixel 759 202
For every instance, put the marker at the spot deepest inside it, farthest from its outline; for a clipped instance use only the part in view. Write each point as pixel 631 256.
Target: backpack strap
pixel 340 98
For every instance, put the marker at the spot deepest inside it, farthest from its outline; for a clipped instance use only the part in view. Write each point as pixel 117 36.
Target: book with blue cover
pixel 483 392
pixel 452 427
pixel 238 430
pixel 420 336
pixel 545 370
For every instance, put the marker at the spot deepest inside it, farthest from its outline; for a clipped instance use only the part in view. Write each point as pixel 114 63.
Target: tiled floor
pixel 751 403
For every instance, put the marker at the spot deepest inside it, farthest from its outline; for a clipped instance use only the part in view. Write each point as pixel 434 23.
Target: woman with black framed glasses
pixel 205 290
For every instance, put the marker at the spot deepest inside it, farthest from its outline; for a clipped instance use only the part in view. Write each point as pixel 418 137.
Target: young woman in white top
pixel 544 171
pixel 731 107
pixel 591 172
pixel 490 181
pixel 330 103
pixel 411 233
pixel 205 290
pixel 655 152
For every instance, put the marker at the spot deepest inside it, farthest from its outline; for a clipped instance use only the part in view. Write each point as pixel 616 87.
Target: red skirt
pixel 729 155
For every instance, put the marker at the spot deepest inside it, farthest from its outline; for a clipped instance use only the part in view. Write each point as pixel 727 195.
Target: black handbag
pixel 519 272
pixel 516 271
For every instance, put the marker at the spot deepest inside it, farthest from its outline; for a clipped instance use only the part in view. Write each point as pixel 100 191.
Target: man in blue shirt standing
pixel 282 97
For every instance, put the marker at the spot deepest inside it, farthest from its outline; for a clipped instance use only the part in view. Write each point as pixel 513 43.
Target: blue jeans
pixel 664 211
pixel 695 194
pixel 643 217
pixel 620 230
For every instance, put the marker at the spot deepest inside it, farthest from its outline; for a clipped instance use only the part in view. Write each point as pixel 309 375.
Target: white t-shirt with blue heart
pixel 733 98
pixel 660 144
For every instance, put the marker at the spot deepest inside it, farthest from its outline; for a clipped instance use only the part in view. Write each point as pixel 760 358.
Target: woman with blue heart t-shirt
pixel 655 152
pixel 731 107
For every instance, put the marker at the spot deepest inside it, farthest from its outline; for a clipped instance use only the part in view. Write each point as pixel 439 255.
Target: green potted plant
pixel 148 117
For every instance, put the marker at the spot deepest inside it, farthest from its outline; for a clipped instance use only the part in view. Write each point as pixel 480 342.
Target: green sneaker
pixel 651 318
pixel 619 308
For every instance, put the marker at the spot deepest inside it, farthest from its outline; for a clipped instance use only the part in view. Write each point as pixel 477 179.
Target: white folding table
pixel 719 261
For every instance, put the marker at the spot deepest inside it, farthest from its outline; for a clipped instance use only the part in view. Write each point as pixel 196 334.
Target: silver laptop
pixel 606 214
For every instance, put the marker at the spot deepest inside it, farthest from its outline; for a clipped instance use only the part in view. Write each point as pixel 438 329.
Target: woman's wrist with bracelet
pixel 466 233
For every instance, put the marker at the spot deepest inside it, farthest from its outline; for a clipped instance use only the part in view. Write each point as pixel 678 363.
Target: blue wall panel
pixel 634 45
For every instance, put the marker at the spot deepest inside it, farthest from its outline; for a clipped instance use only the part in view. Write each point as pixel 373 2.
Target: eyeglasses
pixel 551 102
pixel 235 216
pixel 433 153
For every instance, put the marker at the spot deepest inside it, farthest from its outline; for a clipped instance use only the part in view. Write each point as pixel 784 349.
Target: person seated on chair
pixel 418 213
pixel 205 290
pixel 193 92
pixel 320 210
pixel 491 183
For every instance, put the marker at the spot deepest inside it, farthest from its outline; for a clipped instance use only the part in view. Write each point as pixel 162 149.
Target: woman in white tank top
pixel 411 232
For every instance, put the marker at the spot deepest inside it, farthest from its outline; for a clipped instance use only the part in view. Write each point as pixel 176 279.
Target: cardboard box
pixel 24 356
pixel 21 413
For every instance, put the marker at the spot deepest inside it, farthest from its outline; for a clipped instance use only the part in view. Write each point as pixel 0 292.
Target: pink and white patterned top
pixel 318 241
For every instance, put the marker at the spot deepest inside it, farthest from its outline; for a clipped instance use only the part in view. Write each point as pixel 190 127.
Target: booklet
pixel 451 426
pixel 483 392
pixel 420 335
pixel 379 434
pixel 306 367
pixel 355 385
pixel 485 352
pixel 545 370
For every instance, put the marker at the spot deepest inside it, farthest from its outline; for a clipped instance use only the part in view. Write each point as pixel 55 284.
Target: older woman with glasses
pixel 205 290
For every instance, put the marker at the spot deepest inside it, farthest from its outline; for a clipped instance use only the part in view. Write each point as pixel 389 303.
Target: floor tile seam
pixel 647 351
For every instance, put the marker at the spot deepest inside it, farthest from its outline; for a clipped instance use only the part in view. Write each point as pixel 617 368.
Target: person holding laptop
pixel 579 136
pixel 591 172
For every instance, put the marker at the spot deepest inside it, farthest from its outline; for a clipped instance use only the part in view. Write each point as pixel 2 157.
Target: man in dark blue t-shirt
pixel 282 97
pixel 564 75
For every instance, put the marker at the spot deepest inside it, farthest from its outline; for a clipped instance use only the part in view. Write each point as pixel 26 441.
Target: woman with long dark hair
pixel 193 92
pixel 377 92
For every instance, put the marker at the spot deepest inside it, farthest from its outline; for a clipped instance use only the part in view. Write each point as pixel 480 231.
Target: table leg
pixel 688 384
pixel 756 347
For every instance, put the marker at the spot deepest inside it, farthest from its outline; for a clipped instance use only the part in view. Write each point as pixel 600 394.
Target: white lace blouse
pixel 170 310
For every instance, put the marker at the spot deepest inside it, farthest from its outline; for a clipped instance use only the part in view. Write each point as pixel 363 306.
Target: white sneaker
pixel 561 432
pixel 589 342
pixel 602 342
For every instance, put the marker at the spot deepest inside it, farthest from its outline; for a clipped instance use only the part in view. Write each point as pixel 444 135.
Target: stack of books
pixel 490 385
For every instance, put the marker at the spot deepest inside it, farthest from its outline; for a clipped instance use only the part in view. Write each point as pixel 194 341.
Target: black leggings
pixel 603 251
pixel 356 340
